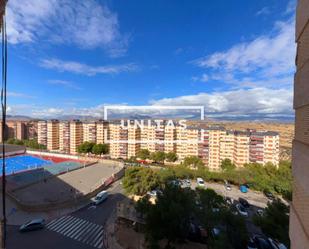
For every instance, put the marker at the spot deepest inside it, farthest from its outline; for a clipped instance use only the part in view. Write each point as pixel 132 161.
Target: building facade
pixel 64 136
pixel 42 132
pixel 76 135
pixel 299 211
pixel 53 135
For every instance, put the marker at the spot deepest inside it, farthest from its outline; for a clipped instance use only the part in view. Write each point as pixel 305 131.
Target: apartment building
pixel 76 135
pixel 214 148
pixel 134 138
pixel 101 132
pixel 241 148
pixel 212 145
pixel 14 129
pixel 169 139
pixel 227 142
pixel 153 137
pixel 89 132
pixel 271 147
pixel 181 145
pixel 64 136
pixel 42 132
pixel 118 146
pixel 53 135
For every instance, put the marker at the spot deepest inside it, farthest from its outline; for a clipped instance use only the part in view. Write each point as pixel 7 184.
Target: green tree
pixel 158 156
pixel 193 161
pixel 275 221
pixel 169 218
pixel 85 147
pixel 227 165
pixel 143 154
pixel 99 149
pixel 140 180
pixel 171 156
pixel 210 207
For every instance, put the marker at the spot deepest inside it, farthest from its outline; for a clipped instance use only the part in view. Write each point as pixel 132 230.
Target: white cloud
pixel 264 11
pixel 48 112
pixel 290 8
pixel 203 78
pixel 64 83
pixel 86 24
pixel 257 103
pixel 267 57
pixel 80 68
pixel 19 95
pixel 261 102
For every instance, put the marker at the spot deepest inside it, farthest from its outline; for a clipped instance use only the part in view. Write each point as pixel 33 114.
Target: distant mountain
pixel 18 117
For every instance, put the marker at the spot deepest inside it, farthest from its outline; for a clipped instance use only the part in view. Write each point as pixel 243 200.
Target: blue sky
pixel 73 57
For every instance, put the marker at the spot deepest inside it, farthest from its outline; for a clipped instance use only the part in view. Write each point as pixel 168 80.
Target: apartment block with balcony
pixel 241 148
pixel 214 148
pixel 134 138
pixel 42 132
pixel 227 142
pixel 169 139
pixel 101 132
pixel 118 145
pixel 76 135
pixel 181 145
pixel 53 135
pixel 64 136
pixel 90 132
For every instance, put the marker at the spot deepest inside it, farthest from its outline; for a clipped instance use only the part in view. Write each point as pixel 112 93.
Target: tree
pixel 227 165
pixel 209 201
pixel 158 156
pixel 143 154
pixel 275 221
pixel 169 218
pixel 171 156
pixel 140 180
pixel 99 149
pixel 85 147
pixel 193 161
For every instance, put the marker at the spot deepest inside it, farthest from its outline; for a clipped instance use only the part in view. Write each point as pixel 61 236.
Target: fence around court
pixel 29 177
pixel 77 199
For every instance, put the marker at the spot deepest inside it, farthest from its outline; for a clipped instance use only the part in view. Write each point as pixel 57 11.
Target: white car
pixel 100 197
pixel 200 182
pixel 241 210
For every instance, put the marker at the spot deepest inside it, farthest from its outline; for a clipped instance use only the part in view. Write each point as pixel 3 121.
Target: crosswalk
pixel 78 229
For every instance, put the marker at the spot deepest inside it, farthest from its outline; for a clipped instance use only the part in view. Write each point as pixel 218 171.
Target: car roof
pixel 38 220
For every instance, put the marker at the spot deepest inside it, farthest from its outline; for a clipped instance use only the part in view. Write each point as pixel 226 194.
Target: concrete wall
pixel 299 217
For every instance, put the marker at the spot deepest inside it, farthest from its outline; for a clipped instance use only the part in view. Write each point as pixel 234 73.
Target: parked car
pixel 241 210
pixel 100 197
pixel 244 202
pixel 200 182
pixel 186 183
pixel 228 186
pixel 261 242
pixel 243 188
pixel 260 212
pixel 32 225
pixel 154 193
pixel 229 200
pixel 269 195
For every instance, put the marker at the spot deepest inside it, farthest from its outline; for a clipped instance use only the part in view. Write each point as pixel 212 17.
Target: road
pixel 82 229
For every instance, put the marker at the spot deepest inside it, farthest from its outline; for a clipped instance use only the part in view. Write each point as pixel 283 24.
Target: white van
pixel 200 182
pixel 100 197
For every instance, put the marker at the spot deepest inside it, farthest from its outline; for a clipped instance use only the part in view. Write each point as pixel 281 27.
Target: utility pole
pixel 3 105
